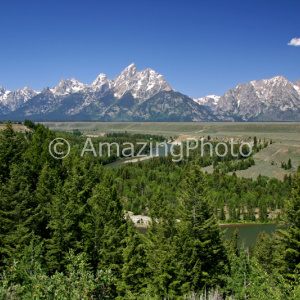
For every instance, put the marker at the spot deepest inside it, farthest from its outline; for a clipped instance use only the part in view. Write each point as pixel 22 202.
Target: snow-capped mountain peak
pixel 68 86
pixel 27 92
pixel 100 79
pixel 275 81
pixel 297 86
pixel 13 100
pixel 266 99
pixel 2 89
pixel 121 81
pixel 3 94
pixel 128 72
pixel 142 84
pixel 146 92
pixel 101 83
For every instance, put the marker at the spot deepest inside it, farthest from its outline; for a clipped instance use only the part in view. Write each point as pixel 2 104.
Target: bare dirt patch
pixel 16 127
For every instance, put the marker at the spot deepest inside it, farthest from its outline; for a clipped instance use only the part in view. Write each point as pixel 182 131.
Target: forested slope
pixel 64 234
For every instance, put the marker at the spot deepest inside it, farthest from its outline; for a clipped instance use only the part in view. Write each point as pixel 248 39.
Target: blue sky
pixel 201 47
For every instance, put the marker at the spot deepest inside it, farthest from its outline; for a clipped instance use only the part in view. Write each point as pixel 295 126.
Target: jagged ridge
pixel 146 96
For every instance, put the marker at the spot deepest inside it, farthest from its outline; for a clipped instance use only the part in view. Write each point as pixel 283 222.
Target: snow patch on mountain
pixel 14 99
pixel 3 94
pixel 141 84
pixel 267 99
pixel 67 87
pixel 209 100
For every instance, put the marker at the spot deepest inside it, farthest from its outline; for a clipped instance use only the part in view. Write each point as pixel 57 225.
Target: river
pixel 248 232
pixel 160 151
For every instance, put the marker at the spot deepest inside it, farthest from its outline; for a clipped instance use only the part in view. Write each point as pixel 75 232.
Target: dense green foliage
pixel 287 166
pixel 238 197
pixel 64 233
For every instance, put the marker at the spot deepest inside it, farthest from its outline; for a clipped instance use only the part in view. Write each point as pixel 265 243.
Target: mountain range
pixel 275 99
pixel 146 96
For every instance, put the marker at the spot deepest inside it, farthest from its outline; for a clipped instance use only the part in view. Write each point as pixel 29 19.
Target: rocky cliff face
pixel 13 100
pixel 274 99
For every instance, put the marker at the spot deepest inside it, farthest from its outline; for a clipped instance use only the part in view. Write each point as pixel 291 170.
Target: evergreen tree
pixel 15 214
pixel 239 280
pixel 12 146
pixel 47 183
pixel 255 141
pixel 232 244
pixel 202 256
pixel 162 250
pixel 222 216
pixel 62 218
pixel 263 212
pixel 289 164
pixel 264 251
pixel 104 228
pixel 133 281
pixel 290 238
